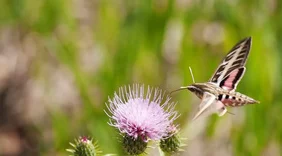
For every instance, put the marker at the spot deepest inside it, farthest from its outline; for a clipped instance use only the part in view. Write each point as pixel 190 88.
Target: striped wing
pixel 232 67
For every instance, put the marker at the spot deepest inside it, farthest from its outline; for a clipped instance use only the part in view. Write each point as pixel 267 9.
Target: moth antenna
pixel 191 72
pixel 182 88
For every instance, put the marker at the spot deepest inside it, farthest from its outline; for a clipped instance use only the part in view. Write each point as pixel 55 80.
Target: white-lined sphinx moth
pixel 219 91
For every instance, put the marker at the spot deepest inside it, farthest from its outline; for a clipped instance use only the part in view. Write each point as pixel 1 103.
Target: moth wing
pixel 233 64
pixel 207 100
pixel 210 105
pixel 231 81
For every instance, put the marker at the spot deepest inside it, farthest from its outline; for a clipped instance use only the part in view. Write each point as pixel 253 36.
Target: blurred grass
pixel 131 37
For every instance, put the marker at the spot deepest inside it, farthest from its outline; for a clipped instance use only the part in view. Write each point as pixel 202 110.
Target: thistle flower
pixel 84 146
pixel 141 116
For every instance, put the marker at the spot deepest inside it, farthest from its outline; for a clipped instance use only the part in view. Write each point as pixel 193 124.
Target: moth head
pixel 196 89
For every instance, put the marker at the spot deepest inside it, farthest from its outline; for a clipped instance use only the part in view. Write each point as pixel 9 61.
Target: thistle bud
pixel 171 143
pixel 84 146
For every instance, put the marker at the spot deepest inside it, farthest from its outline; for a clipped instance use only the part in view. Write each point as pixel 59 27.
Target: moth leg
pixel 221 109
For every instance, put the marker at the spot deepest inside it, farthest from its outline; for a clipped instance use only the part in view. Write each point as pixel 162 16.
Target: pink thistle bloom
pixel 139 114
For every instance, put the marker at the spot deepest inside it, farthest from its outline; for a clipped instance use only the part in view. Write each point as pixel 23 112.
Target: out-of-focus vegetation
pixel 61 59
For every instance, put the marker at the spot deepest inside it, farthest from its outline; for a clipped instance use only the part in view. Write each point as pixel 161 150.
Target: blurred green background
pixel 61 60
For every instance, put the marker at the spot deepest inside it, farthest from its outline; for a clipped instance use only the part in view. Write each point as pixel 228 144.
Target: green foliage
pixel 135 42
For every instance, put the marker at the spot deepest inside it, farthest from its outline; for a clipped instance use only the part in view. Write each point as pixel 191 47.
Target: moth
pixel 219 92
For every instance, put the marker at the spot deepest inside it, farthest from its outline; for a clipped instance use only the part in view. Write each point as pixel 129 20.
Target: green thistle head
pixel 171 143
pixel 84 146
pixel 134 146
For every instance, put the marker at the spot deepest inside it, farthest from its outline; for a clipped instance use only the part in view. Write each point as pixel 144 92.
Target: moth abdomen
pixel 235 99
